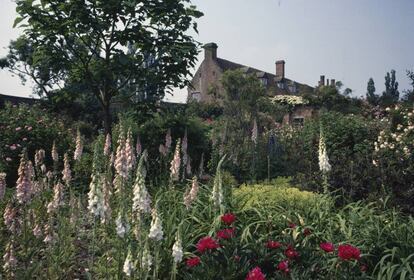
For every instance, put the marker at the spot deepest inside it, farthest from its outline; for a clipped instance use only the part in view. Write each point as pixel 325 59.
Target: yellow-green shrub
pixel 278 193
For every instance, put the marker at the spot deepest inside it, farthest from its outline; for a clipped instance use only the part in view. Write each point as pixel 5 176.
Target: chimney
pixel 280 69
pixel 210 51
pixel 322 81
pixel 332 82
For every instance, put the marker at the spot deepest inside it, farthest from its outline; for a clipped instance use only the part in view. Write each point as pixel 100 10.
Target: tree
pixel 409 94
pixel 372 98
pixel 391 94
pixel 87 44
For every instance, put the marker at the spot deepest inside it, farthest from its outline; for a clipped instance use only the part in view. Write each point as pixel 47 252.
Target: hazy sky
pixel 350 40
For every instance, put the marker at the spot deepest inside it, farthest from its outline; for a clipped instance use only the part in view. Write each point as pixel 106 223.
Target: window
pixel 196 96
pixel 298 121
pixel 281 85
pixel 263 81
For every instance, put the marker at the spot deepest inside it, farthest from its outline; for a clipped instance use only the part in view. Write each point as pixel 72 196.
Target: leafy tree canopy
pixel 104 47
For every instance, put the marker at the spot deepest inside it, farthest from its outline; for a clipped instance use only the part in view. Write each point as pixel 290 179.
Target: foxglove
pixel 175 163
pixel 79 147
pixel 156 232
pixel 141 198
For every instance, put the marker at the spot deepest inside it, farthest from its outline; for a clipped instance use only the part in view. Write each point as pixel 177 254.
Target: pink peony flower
pixel 327 247
pixel 291 253
pixel 226 233
pixel 207 243
pixel 273 244
pixel 192 262
pixel 256 274
pixel 228 218
pixel 283 266
pixel 348 252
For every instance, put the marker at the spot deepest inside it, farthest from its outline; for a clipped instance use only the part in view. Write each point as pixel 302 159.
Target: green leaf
pixel 17 21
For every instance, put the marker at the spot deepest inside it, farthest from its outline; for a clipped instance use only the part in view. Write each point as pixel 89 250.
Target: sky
pixel 349 41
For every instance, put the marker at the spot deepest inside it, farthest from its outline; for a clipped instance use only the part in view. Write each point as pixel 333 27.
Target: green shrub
pixel 278 193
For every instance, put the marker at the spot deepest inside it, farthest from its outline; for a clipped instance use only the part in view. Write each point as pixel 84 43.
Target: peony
pixel 283 266
pixel 273 244
pixel 228 218
pixel 291 253
pixel 226 233
pixel 192 262
pixel 255 274
pixel 327 247
pixel 207 243
pixel 348 252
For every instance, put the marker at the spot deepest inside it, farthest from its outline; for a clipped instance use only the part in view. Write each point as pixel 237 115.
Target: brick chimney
pixel 210 51
pixel 280 69
pixel 322 81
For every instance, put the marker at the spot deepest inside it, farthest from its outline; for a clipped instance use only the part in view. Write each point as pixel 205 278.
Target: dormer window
pixel 293 87
pixel 281 85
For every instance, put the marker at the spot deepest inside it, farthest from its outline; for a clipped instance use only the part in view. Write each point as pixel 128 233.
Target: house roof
pixel 274 84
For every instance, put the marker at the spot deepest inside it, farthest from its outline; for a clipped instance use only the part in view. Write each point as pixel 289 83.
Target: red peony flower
pixel 291 253
pixel 307 232
pixel 207 243
pixel 193 262
pixel 292 225
pixel 273 244
pixel 327 247
pixel 226 233
pixel 348 252
pixel 283 266
pixel 256 274
pixel 228 218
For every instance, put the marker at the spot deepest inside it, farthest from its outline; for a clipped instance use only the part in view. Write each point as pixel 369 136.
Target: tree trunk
pixel 107 118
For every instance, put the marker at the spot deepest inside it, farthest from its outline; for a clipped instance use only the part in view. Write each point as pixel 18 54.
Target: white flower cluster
pixel 128 265
pixel 141 198
pixel 289 99
pixel 96 198
pixel 324 164
pixel 156 231
pixel 177 249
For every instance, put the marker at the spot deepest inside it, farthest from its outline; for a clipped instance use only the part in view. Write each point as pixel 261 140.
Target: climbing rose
pixel 228 218
pixel 273 244
pixel 327 247
pixel 255 274
pixel 283 266
pixel 291 253
pixel 348 252
pixel 193 262
pixel 207 243
pixel 226 233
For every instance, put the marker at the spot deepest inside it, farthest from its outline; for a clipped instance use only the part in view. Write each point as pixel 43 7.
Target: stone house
pixel 205 85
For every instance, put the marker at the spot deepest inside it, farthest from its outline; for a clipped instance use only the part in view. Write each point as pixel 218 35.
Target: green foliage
pixel 29 128
pixel 101 48
pixel 349 141
pixel 391 94
pixel 372 98
pixel 278 193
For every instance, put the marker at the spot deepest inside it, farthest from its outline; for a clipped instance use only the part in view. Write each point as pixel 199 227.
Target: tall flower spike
pixel 175 163
pixel 24 184
pixel 106 185
pixel 191 195
pixel 177 249
pixel 120 158
pixel 156 232
pixel 55 155
pixel 39 157
pixel 217 195
pixel 168 140
pixel 324 164
pixel 184 146
pixel 138 147
pixel 188 170
pixel 146 261
pixel 57 198
pixel 9 260
pixel 108 143
pixel 255 132
pixel 96 198
pixel 12 221
pixel 79 147
pixel 130 152
pixel 2 185
pixel 128 265
pixel 122 227
pixel 67 174
pixel 141 198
